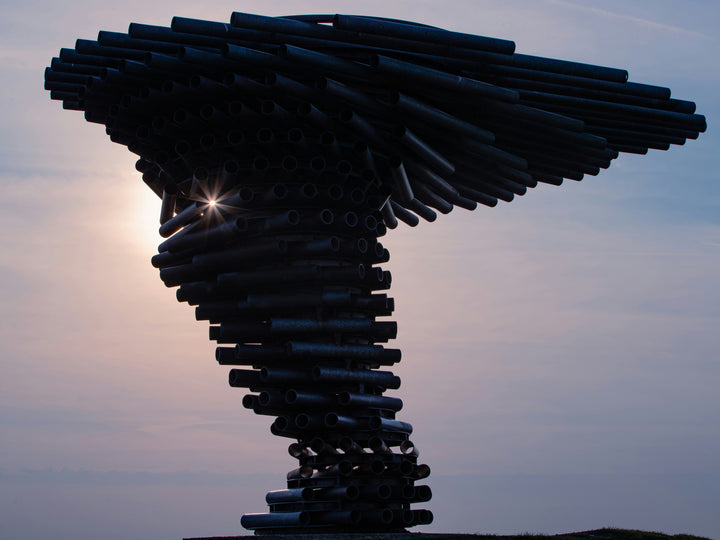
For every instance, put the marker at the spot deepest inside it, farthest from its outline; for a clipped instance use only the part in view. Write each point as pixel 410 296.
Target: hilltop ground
pixel 599 534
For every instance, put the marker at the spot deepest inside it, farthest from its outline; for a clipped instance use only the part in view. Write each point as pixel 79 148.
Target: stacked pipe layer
pixel 438 118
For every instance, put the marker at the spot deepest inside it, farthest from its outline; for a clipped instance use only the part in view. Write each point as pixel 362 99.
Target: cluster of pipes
pixel 282 149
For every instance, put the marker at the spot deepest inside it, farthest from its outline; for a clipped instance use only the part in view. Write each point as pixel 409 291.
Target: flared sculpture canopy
pixel 435 118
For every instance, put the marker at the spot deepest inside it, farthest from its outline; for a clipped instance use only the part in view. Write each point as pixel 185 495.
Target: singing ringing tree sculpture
pixel 282 149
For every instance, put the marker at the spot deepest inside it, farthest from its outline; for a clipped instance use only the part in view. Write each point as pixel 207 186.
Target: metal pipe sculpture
pixel 282 149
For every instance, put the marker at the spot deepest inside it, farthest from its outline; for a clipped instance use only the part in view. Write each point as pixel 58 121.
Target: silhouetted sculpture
pixel 282 148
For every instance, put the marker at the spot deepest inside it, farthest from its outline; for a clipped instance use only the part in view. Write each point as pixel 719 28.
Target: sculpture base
pixel 400 535
pixel 330 536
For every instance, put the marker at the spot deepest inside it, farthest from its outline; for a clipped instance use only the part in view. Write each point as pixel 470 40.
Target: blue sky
pixel 570 334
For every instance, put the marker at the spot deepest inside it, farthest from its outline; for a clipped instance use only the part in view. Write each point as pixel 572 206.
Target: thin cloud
pixel 637 20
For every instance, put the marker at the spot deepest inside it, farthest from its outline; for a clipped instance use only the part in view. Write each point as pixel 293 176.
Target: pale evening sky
pixel 560 352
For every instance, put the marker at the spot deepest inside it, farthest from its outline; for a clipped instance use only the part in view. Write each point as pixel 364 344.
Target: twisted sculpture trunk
pixel 287 275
